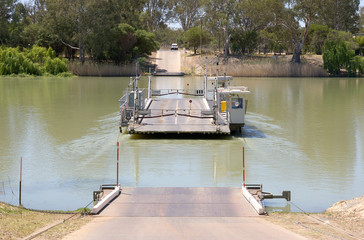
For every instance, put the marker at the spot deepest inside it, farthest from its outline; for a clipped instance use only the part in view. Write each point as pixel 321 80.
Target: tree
pixel 186 12
pixel 336 56
pixel 340 15
pixel 7 8
pixel 276 39
pixel 317 35
pixel 361 19
pixel 290 13
pixel 244 42
pixel 360 41
pixel 219 18
pixel 156 14
pixel 193 37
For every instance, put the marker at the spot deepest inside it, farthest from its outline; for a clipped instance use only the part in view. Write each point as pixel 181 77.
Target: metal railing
pixel 189 92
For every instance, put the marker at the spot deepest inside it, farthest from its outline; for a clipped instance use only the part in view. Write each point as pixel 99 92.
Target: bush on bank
pixel 34 61
pixel 338 56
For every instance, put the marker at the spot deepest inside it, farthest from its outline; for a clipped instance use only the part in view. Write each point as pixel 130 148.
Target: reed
pixel 101 70
pixel 276 70
pixel 267 69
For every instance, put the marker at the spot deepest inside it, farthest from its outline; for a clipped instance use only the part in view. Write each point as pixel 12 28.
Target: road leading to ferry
pixel 168 60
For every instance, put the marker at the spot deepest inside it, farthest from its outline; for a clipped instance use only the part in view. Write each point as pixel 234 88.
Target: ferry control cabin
pixel 218 108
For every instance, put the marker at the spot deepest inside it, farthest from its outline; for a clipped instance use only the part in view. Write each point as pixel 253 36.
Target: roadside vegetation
pixel 120 32
pixel 18 223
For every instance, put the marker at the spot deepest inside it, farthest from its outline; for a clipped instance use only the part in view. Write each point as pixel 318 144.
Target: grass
pixel 18 223
pixel 253 66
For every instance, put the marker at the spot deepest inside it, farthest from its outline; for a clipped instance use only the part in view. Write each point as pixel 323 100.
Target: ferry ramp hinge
pixel 285 194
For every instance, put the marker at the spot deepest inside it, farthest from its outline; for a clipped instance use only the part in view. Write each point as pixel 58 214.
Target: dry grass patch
pixel 18 223
pixel 320 225
pixel 253 66
pixel 343 220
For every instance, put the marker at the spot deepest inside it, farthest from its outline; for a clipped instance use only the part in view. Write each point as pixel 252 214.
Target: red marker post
pixel 117 165
pixel 243 167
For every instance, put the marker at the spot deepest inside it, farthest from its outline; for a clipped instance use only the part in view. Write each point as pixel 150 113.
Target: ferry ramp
pixel 180 213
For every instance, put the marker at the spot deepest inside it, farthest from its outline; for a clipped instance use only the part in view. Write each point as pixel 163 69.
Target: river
pixel 302 134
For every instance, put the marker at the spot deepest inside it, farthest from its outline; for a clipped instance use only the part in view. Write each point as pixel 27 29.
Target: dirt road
pixel 168 60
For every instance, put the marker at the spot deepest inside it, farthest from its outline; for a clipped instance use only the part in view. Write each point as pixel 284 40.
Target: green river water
pixel 302 134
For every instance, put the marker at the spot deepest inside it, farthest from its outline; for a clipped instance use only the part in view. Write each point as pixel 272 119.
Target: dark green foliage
pixel 316 38
pixel 193 37
pixel 337 56
pixel 243 42
pixel 355 66
pixel 35 61
pixel 122 44
pixel 360 41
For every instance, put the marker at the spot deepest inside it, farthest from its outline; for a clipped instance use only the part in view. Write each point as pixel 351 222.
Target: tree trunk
pixel 226 46
pixel 296 58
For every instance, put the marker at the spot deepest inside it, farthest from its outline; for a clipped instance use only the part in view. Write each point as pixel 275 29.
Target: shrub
pixel 336 56
pixel 34 61
pixel 55 66
pixel 355 66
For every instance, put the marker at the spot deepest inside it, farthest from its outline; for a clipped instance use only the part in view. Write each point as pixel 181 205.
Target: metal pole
pixel 201 40
pixel 21 166
pixel 149 87
pixel 243 167
pixel 117 166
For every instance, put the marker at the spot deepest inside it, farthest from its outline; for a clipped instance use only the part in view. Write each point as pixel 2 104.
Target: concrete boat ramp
pixel 180 213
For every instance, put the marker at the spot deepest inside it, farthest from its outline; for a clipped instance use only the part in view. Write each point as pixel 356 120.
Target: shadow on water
pixel 250 131
pixel 182 136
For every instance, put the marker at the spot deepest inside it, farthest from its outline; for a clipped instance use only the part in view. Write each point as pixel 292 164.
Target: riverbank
pixel 343 220
pixel 261 65
pixel 20 223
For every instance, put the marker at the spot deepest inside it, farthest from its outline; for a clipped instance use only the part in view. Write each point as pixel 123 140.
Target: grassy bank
pixel 252 66
pixel 18 223
pixel 343 220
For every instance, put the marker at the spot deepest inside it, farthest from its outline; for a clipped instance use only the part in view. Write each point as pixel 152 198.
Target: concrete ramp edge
pixel 256 205
pixel 111 196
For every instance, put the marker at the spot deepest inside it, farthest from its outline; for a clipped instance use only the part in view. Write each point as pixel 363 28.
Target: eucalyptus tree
pixel 291 14
pixel 18 22
pixel 156 14
pixel 219 18
pixel 340 15
pixel 361 20
pixel 130 11
pixel 194 37
pixel 186 12
pixel 7 8
pixel 36 10
pixel 65 23
pixel 249 18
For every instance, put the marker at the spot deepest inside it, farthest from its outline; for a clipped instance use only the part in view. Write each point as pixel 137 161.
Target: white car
pixel 174 46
